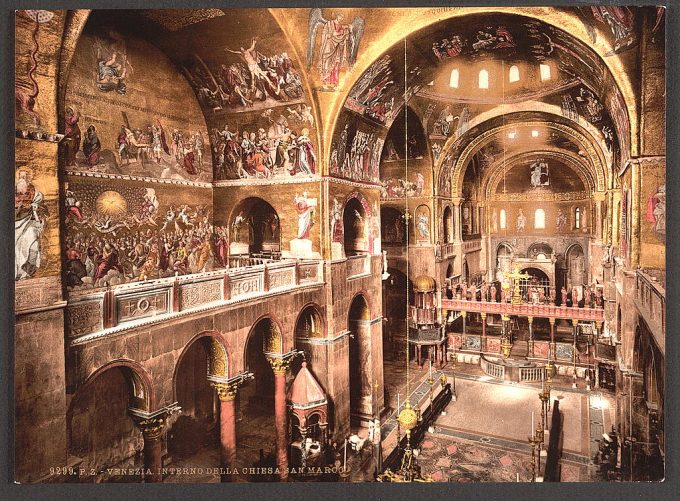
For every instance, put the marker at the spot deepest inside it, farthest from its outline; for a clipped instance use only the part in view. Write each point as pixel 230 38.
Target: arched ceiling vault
pixel 563 20
pixel 494 176
pixel 551 113
pixel 472 141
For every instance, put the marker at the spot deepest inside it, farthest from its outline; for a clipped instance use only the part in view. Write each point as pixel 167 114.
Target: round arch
pixel 317 327
pixel 568 22
pixel 137 377
pixel 272 343
pixel 254 227
pixel 99 418
pixel 495 174
pixel 218 352
pixel 472 145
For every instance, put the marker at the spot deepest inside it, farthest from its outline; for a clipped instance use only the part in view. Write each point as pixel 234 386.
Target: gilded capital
pixel 226 391
pixel 279 365
pixel 152 428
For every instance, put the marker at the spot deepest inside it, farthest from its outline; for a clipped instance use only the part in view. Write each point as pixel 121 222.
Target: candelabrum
pixel 534 442
pixel 430 381
pixel 544 396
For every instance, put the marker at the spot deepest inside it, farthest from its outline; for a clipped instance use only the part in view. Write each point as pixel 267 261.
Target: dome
pixel 306 392
pixel 424 283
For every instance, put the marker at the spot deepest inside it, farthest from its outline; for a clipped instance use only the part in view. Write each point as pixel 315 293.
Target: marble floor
pixel 481 437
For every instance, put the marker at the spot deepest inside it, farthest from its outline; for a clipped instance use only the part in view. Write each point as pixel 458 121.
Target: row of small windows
pixel 539 219
pixel 483 80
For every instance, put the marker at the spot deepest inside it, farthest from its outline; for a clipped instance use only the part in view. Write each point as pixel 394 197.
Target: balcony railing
pixel 447 250
pixel 358 266
pixel 491 369
pixel 531 374
pixel 650 300
pixel 421 316
pixel 132 304
pixel 525 310
pixel 472 245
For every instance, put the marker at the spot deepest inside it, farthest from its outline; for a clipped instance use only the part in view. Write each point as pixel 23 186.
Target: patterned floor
pixel 453 459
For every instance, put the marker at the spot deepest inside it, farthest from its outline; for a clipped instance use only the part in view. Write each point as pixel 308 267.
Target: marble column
pixel 458 220
pixel 598 329
pixel 152 431
pixel 483 315
pixel 227 395
pixel 280 367
pixel 552 338
pixel 530 343
pixel 464 315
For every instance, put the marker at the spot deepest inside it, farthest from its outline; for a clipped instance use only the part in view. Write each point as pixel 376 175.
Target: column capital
pixel 152 428
pixel 279 365
pixel 463 313
pixel 598 324
pixel 574 322
pixel 531 320
pixel 226 391
pixel 505 318
pixel 551 320
pixel 483 315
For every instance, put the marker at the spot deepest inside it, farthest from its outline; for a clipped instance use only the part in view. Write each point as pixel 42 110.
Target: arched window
pixel 502 219
pixel 483 79
pixel 514 74
pixel 545 72
pixel 453 81
pixel 577 218
pixel 539 219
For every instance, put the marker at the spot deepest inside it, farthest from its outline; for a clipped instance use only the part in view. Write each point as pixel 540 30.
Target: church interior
pixel 340 245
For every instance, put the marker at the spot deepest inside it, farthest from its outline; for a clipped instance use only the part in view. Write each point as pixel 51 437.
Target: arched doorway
pixel 355 224
pixel 360 383
pixel 537 283
pixel 504 255
pixel 196 427
pixel 309 326
pixel 255 229
pixel 100 428
pixel 466 271
pixel 576 268
pixel 255 399
pixel 448 224
pixel 397 292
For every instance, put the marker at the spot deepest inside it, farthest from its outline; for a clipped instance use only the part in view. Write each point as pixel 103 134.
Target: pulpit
pixel 426 329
